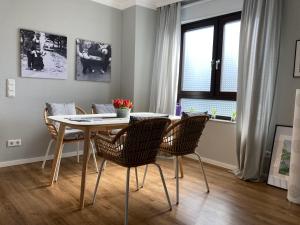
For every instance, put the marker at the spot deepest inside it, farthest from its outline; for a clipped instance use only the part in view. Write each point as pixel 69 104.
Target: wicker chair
pixel 105 108
pixel 138 147
pixel 71 136
pixel 102 108
pixel 182 139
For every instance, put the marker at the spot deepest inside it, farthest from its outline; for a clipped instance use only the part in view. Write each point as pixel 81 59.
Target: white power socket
pixel 14 143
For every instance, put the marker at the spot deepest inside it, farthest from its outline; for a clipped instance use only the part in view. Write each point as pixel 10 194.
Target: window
pixel 209 65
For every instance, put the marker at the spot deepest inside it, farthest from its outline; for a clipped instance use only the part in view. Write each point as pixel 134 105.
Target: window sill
pixel 222 121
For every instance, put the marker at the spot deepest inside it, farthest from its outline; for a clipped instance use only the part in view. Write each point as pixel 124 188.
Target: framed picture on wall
pixel 280 159
pixel 297 60
pixel 43 55
pixel 93 61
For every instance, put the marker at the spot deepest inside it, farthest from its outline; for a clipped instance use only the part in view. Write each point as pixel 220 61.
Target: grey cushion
pixel 103 108
pixel 73 134
pixel 191 114
pixel 106 108
pixel 56 109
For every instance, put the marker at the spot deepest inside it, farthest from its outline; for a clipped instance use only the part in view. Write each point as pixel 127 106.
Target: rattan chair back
pixel 182 137
pixel 135 145
pixel 143 140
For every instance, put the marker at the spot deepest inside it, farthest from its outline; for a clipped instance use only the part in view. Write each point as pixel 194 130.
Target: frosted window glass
pixel 230 56
pixel 197 56
pixel 224 108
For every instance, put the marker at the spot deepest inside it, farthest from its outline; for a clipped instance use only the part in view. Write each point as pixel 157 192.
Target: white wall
pixel 21 117
pixel 131 34
pixel 128 53
pixel 144 54
pixel 286 83
pixel 139 29
pixel 217 145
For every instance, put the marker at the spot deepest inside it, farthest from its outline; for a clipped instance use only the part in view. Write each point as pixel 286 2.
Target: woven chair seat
pixel 114 131
pixel 107 149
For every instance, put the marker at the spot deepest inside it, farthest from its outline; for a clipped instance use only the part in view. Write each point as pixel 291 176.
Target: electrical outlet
pixel 14 143
pixel 18 142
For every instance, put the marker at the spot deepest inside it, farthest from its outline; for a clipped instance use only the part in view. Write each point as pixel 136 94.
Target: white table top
pixel 101 119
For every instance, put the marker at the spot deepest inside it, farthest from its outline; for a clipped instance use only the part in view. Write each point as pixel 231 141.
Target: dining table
pixel 89 123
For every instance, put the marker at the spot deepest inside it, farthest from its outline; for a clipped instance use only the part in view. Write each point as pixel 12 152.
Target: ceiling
pixel 123 4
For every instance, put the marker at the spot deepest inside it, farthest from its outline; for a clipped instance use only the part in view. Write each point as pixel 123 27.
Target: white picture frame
pixel 279 166
pixel 297 60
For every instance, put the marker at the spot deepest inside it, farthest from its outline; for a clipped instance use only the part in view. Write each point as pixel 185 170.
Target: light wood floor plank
pixel 25 198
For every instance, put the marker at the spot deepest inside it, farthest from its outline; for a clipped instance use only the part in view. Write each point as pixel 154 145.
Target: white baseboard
pixel 36 159
pixel 71 154
pixel 214 162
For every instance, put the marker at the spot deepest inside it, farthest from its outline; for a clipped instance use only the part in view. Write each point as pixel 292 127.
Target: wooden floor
pixel 25 198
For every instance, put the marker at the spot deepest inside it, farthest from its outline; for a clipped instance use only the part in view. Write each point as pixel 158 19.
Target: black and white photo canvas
pixel 297 60
pixel 43 55
pixel 93 61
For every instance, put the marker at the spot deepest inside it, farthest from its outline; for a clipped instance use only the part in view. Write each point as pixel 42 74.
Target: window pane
pixel 197 56
pixel 230 56
pixel 223 108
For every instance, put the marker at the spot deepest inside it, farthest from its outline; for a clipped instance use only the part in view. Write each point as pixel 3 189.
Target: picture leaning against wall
pixel 93 61
pixel 297 60
pixel 280 159
pixel 43 55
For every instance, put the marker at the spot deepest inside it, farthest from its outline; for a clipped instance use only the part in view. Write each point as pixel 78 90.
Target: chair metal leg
pixel 164 184
pixel 174 166
pixel 144 178
pixel 94 156
pixel 78 145
pixel 98 180
pixel 58 165
pixel 207 187
pixel 177 181
pixel 127 196
pixel 47 153
pixel 181 167
pixel 136 178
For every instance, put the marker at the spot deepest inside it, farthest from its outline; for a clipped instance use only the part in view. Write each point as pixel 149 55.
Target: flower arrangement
pixel 122 103
pixel 122 107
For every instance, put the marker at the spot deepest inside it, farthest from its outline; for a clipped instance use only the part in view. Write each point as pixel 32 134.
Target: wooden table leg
pixel 58 151
pixel 86 154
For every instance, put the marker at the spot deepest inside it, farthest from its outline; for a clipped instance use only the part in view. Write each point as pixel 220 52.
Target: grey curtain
pixel 166 60
pixel 258 60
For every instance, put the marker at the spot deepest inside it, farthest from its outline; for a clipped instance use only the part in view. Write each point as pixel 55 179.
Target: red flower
pixel 122 103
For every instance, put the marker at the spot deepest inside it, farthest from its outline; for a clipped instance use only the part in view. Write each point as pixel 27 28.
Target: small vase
pixel 123 112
